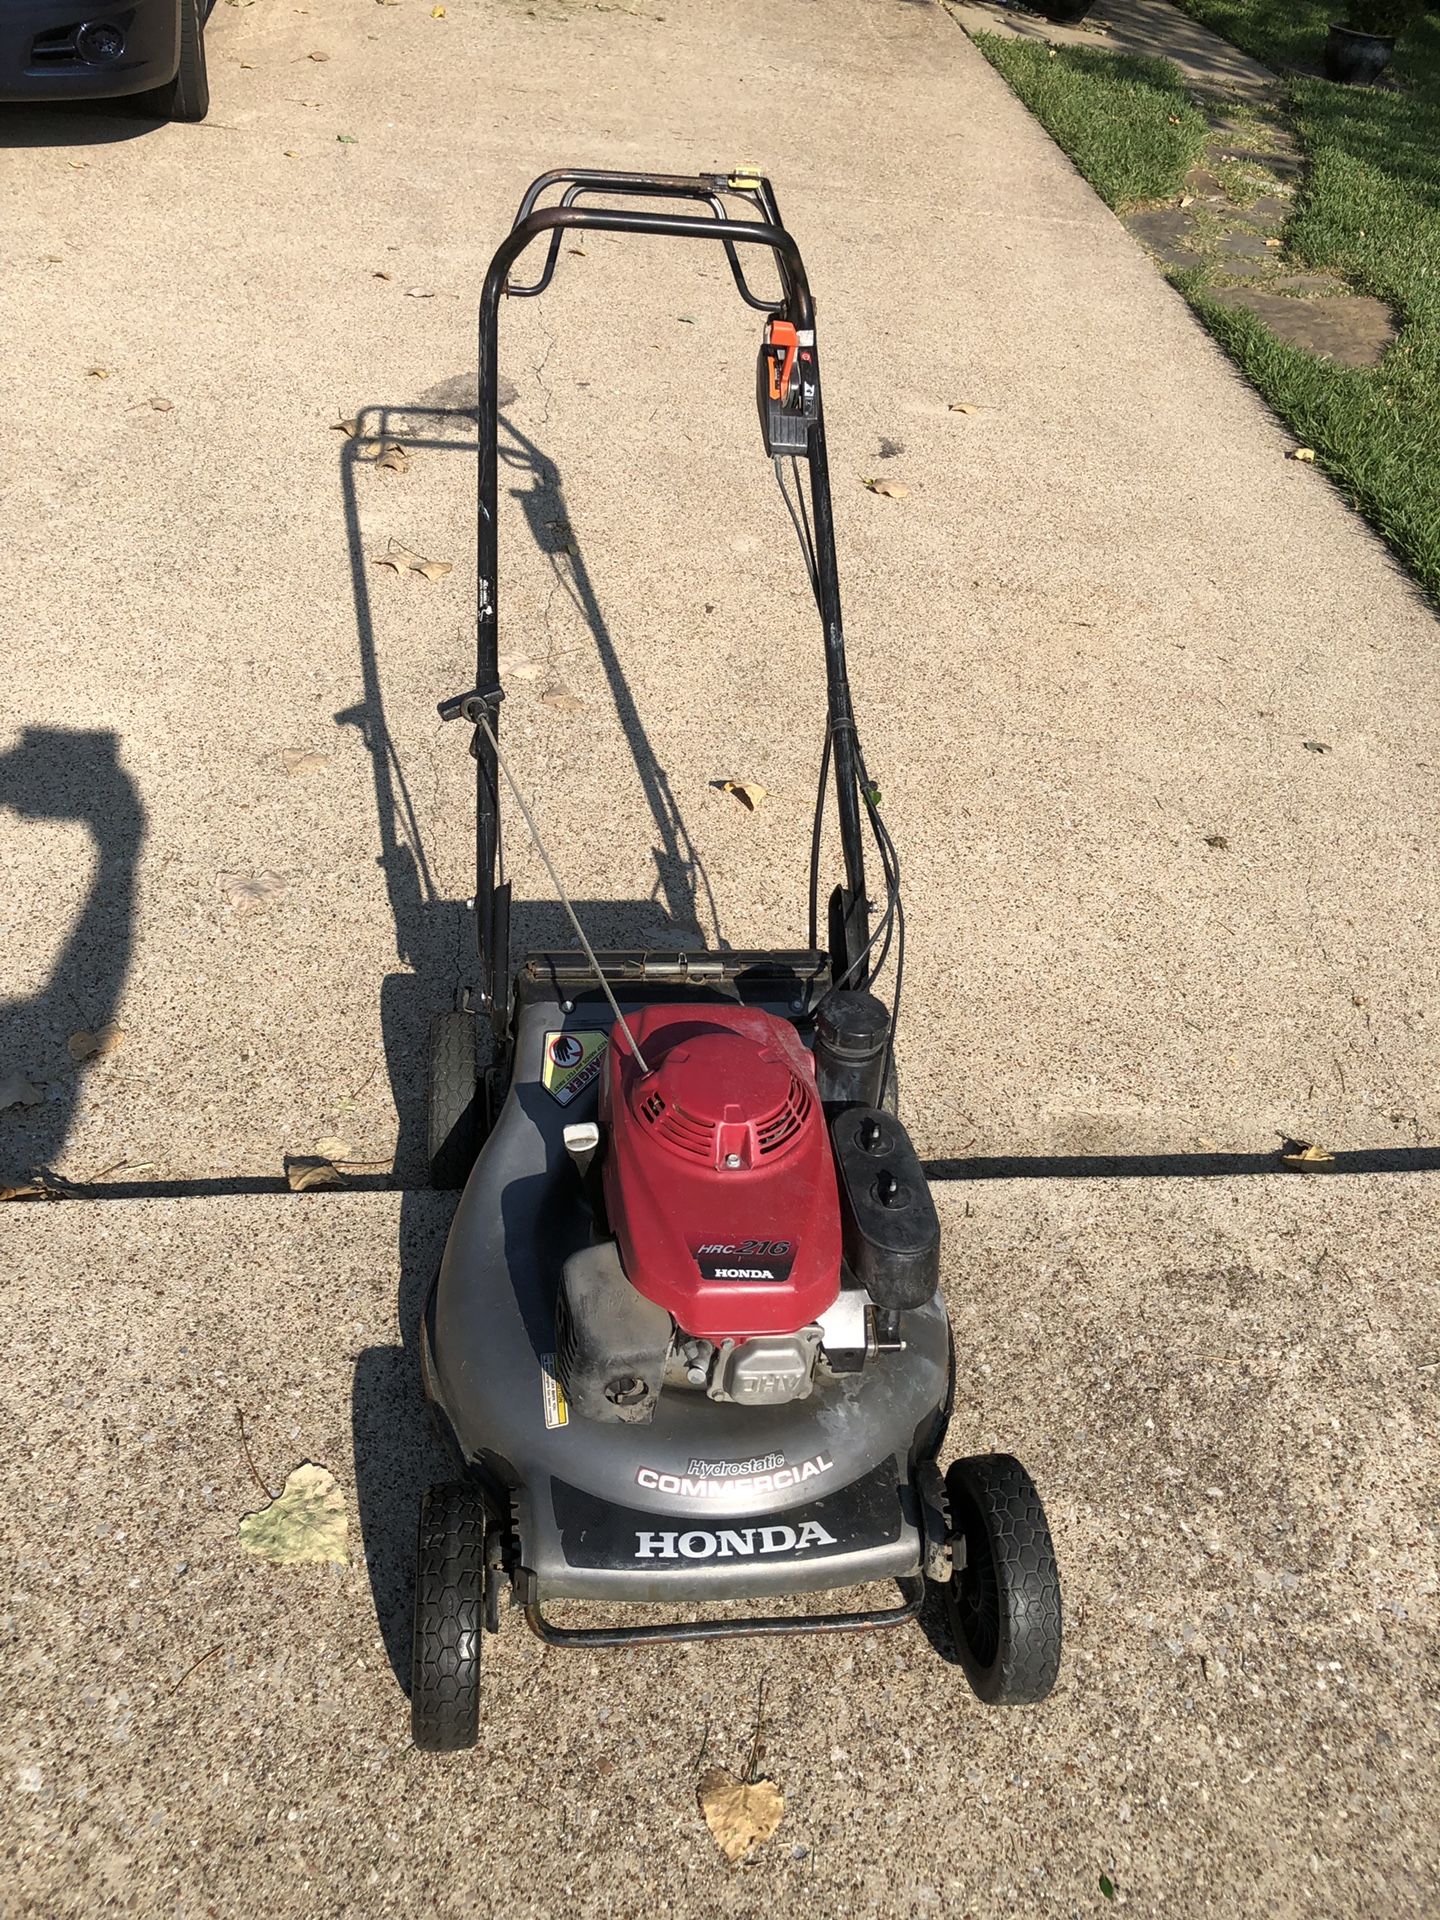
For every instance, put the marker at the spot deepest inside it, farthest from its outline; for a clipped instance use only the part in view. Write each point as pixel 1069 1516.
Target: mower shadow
pixel 398 1450
pixel 434 937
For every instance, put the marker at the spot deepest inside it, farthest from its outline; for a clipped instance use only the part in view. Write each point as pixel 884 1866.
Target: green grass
pixel 1127 123
pixel 1369 209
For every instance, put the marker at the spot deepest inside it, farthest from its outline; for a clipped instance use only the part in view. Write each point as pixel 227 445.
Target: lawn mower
pixel 687 1337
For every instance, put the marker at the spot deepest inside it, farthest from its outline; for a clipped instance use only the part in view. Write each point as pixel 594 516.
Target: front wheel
pixel 1003 1603
pixel 187 96
pixel 449 1616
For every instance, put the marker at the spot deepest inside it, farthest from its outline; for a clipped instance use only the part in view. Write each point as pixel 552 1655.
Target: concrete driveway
pixel 1154 717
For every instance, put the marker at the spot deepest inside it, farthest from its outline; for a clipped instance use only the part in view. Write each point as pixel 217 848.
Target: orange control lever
pixel 781 333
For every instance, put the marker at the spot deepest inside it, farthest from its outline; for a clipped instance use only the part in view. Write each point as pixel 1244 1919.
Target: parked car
pixel 152 50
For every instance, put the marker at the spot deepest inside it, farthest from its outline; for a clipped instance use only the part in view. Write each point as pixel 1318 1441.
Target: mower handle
pixel 706 189
pixel 676 226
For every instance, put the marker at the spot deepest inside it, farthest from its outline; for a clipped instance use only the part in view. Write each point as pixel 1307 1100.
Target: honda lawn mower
pixel 687 1335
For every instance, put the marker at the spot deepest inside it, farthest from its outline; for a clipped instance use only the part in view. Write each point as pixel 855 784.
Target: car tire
pixel 187 96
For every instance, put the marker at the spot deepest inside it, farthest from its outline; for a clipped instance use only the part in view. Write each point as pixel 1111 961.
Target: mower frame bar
pixel 533 222
pixel 766 1627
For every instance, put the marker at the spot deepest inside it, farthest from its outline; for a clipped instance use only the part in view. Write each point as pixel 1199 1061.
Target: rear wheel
pixel 452 1099
pixel 449 1613
pixel 1003 1603
pixel 187 96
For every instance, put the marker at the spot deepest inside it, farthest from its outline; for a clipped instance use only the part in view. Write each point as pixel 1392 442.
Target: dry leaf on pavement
pixel 388 454
pixel 98 373
pixel 332 1147
pixel 347 427
pixel 889 489
pixel 16 1091
pixel 748 792
pixel 31 1190
pixel 306 1523
pixel 962 406
pixel 1304 1153
pixel 403 561
pixel 301 760
pixel 319 56
pixel 306 1171
pixel 740 1814
pixel 251 892
pixel 161 404
pixel 420 293
pixel 94 1046
pixel 562 700
pixel 1303 453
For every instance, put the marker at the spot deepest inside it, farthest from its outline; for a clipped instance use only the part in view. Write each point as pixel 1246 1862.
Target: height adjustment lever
pixel 787 388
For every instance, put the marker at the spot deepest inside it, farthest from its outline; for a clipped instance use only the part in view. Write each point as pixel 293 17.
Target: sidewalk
pixel 1155 721
pixel 1228 1395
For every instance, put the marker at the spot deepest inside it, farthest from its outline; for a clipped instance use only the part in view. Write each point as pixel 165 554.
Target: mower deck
pixel 708 1501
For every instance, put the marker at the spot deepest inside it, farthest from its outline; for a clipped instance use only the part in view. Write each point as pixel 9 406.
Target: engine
pixel 719 1180
pixel 729 1231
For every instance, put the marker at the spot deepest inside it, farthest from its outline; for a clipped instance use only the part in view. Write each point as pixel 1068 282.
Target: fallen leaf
pixel 319 56
pixel 1303 453
pixel 348 139
pixel 291 154
pixel 301 760
pixel 741 1814
pixel 579 250
pixel 388 454
pixel 306 1523
pixel 381 274
pixel 1272 242
pixel 420 293
pixel 403 561
pixel 437 13
pixel 16 1091
pixel 98 373
pixel 347 427
pixel 160 404
pixel 1304 1153
pixel 962 406
pixel 1315 746
pixel 31 1190
pixel 332 1147
pixel 95 1046
pixel 523 669
pixel 1107 1886
pixel 686 319
pixel 306 1171
pixel 251 892
pixel 562 700
pixel 748 792
pixel 1216 840
pixel 889 489
pixel 1187 199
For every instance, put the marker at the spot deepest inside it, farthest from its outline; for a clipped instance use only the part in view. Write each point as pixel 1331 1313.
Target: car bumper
pixel 39 61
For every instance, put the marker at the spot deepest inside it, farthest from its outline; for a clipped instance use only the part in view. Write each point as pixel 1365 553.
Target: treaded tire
pixel 452 1099
pixel 1003 1606
pixel 449 1612
pixel 187 96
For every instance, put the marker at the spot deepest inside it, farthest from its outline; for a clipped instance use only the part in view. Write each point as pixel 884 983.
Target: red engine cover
pixel 719 1178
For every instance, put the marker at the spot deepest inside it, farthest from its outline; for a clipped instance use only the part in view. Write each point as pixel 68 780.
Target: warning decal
pixel 572 1063
pixel 557 1407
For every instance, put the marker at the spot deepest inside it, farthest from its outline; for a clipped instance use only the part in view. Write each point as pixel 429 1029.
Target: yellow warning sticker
pixel 572 1063
pixel 557 1407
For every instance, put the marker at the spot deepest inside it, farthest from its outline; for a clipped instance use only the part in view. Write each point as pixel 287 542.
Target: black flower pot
pixel 1065 13
pixel 1357 58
